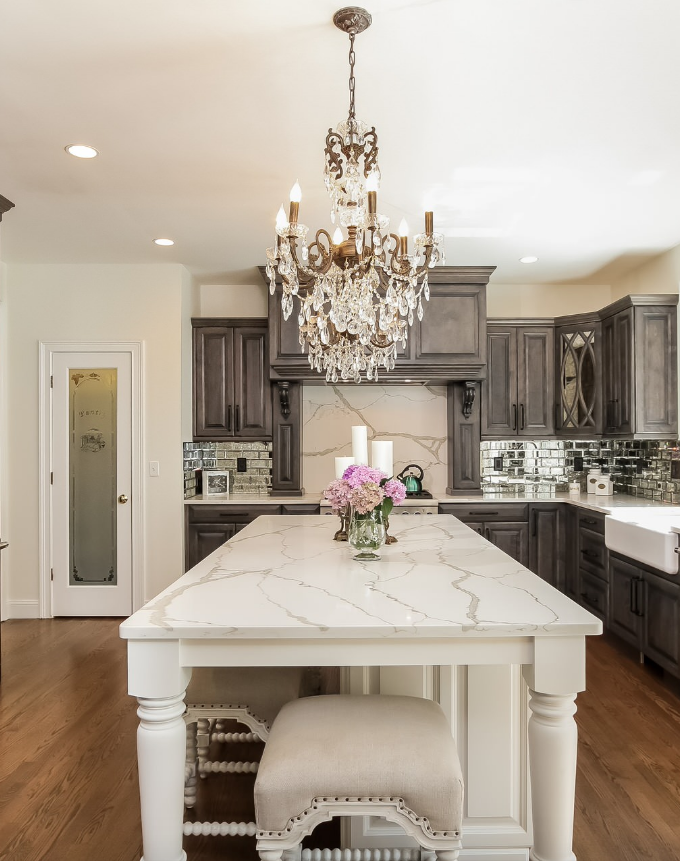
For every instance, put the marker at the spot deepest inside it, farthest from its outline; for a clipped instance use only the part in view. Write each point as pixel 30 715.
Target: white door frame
pixel 47 351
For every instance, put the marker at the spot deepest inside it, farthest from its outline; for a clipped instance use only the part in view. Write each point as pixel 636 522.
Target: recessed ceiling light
pixel 164 241
pixel 528 259
pixel 81 151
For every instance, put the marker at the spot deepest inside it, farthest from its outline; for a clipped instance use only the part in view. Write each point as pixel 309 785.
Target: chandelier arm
pixel 324 255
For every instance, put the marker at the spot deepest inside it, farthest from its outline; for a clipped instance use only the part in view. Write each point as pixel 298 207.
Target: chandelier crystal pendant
pixel 358 293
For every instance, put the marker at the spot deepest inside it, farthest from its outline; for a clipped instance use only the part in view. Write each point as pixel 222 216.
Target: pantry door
pixel 92 499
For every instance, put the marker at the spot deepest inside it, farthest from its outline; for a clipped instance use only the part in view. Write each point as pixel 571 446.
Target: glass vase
pixel 366 534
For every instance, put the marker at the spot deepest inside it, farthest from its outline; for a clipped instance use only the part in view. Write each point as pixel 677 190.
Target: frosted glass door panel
pixel 91 495
pixel 92 476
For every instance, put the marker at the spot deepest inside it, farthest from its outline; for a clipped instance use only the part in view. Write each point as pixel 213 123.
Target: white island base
pixel 443 614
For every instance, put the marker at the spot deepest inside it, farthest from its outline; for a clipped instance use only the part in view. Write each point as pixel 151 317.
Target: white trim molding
pixel 47 350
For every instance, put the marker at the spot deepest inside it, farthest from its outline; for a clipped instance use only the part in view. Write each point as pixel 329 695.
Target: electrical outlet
pixel 498 464
pixel 241 464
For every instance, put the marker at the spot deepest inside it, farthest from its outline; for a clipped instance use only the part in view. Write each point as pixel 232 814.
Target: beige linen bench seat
pixel 386 756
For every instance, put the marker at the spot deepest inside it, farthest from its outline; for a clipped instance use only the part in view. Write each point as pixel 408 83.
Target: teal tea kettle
pixel 412 481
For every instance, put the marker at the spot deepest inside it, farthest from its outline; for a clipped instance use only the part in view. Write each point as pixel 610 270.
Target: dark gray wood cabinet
pixel 207 527
pixel 506 525
pixel 618 395
pixel 640 383
pixel 546 542
pixel 231 389
pixel 645 611
pixel 592 574
pixel 449 343
pixel 578 371
pixel 518 394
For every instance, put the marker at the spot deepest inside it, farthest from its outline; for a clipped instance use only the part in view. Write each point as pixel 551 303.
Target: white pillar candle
pixel 360 444
pixel 341 464
pixel 381 456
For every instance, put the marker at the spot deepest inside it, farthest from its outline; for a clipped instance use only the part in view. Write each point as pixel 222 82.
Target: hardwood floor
pixel 68 788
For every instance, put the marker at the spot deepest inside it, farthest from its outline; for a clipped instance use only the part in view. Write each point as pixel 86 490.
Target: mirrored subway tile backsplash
pixel 639 468
pixel 200 455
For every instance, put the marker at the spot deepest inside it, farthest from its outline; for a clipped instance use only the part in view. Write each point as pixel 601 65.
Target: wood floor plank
pixel 68 778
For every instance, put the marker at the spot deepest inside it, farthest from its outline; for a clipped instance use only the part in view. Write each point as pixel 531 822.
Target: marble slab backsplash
pixel 222 455
pixel 639 468
pixel 413 417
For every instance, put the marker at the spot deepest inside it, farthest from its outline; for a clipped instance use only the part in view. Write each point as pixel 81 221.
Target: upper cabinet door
pixel 252 391
pixel 623 369
pixel 535 380
pixel 656 371
pixel 232 392
pixel 518 399
pixel 213 382
pixel 452 333
pixel 578 358
pixel 499 408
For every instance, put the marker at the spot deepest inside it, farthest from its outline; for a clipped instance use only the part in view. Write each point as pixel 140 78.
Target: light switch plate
pixel 154 470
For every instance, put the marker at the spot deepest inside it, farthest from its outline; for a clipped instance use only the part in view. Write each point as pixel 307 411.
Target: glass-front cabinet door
pixel 579 397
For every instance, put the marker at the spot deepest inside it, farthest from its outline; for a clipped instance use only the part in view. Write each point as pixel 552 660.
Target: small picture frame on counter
pixel 215 482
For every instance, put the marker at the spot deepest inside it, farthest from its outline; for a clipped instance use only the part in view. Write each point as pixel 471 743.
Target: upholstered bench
pixel 359 756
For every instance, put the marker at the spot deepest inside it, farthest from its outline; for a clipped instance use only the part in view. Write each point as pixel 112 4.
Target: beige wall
pixel 661 274
pixel 95 303
pixel 545 300
pixel 233 300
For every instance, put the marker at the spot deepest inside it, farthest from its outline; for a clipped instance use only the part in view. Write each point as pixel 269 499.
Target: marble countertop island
pixel 284 576
pixel 443 604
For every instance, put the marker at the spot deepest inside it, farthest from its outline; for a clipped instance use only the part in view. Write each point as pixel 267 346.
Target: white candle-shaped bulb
pixel 403 238
pixel 338 238
pixel 296 193
pixel 382 456
pixel 341 464
pixel 372 182
pixel 360 444
pixel 281 220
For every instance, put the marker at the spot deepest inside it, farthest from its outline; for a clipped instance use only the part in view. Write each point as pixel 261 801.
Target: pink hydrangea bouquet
pixel 365 489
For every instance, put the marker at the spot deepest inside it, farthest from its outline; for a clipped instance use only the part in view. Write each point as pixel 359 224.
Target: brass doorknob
pixel 122 499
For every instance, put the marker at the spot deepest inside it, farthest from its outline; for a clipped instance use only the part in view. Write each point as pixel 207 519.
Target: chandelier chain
pixel 352 59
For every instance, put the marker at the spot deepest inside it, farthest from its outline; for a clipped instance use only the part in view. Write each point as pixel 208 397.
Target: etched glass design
pixel 92 476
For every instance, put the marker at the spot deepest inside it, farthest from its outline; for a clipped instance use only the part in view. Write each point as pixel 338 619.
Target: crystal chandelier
pixel 357 295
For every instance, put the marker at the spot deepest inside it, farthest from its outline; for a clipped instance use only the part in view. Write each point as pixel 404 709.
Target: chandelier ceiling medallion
pixel 357 293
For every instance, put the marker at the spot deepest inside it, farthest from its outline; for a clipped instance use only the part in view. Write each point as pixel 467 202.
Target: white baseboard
pixel 23 609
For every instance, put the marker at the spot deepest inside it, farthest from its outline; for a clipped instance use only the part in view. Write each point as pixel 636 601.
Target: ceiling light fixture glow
pixel 360 294
pixel 81 151
pixel 164 241
pixel 528 259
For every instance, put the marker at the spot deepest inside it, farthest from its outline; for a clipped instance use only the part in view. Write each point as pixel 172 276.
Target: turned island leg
pixel 161 752
pixel 552 764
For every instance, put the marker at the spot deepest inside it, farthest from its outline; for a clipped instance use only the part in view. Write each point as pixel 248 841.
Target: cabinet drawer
pixel 594 594
pixel 590 520
pixel 592 550
pixel 233 513
pixel 306 508
pixel 487 512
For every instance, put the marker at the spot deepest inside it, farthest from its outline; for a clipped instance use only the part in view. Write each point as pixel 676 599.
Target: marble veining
pixel 286 577
pixel 413 417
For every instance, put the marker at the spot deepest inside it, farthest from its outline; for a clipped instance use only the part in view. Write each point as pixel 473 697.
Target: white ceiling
pixel 544 127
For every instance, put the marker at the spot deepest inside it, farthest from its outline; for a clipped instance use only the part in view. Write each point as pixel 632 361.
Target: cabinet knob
pixel 122 499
